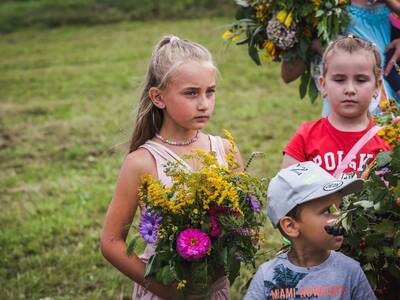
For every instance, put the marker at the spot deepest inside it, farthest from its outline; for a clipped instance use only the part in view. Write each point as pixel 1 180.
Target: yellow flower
pixel 285 17
pixel 229 35
pixel 316 3
pixel 342 2
pixel 261 11
pixel 181 284
pixel 389 133
pixel 230 156
pixel 269 46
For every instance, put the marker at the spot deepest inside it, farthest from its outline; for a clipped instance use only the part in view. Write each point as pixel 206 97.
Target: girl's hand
pixel 395 59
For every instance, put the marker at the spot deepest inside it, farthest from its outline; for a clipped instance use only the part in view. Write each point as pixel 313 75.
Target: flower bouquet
pixel 206 222
pixel 372 218
pixel 286 29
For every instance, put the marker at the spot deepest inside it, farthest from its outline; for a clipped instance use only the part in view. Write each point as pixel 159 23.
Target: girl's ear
pixel 378 88
pixel 156 98
pixel 289 226
pixel 322 86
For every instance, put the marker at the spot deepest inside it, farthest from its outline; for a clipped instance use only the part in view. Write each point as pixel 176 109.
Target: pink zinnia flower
pixel 193 244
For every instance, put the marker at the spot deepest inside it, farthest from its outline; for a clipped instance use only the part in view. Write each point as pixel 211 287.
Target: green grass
pixel 66 108
pixel 17 14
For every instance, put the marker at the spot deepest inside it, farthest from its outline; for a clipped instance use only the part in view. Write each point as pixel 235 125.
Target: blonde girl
pixel 345 141
pixel 176 103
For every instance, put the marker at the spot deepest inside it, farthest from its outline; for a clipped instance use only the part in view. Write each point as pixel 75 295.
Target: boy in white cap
pixel 299 201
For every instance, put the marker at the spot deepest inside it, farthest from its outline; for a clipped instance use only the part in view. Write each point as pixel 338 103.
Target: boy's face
pixel 313 217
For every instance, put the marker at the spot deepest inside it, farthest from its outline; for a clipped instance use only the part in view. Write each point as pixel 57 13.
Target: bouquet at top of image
pixel 204 225
pixel 285 30
pixel 371 218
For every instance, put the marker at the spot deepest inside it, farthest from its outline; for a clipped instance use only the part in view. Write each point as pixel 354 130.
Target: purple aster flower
pixel 254 203
pixel 148 226
pixel 381 173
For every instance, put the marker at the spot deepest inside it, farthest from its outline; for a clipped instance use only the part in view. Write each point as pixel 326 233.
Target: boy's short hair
pixel 303 182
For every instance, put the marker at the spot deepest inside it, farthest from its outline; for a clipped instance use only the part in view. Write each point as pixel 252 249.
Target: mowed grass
pixel 67 98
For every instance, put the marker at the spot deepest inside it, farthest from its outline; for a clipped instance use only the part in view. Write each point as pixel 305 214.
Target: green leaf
pixel 233 268
pixel 131 246
pixel 361 222
pixel 371 253
pixel 364 204
pixel 383 159
pixel 166 275
pixel 394 270
pixel 305 78
pixel 312 91
pixel 386 226
pixel 387 251
pixel 153 265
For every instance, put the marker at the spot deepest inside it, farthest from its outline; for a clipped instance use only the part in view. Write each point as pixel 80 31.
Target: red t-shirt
pixel 327 146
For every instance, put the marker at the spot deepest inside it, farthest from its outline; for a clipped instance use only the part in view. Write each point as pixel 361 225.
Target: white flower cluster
pixel 280 35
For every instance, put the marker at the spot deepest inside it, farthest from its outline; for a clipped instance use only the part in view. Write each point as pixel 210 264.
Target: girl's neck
pixel 307 257
pixel 349 124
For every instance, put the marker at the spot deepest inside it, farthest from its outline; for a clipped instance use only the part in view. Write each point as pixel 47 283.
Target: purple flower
pixel 381 173
pixel 193 244
pixel 148 226
pixel 254 203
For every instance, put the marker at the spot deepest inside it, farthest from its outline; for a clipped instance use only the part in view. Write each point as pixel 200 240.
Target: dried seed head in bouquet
pixel 282 36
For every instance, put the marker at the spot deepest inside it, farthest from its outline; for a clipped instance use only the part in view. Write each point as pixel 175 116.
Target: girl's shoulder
pixel 140 161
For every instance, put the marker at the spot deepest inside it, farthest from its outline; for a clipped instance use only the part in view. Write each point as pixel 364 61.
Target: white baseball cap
pixel 303 182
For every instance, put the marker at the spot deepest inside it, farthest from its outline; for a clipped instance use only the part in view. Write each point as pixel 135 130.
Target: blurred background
pixel 70 75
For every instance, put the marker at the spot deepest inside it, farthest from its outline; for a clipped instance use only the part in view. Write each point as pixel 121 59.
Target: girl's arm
pixel 288 161
pixel 118 220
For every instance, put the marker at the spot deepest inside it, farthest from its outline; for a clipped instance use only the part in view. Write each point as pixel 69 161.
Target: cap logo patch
pixel 299 169
pixel 332 185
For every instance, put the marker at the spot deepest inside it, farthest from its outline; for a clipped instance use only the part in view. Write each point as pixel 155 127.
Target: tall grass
pixel 66 102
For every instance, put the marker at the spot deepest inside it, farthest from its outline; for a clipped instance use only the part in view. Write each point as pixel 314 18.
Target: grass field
pixel 66 110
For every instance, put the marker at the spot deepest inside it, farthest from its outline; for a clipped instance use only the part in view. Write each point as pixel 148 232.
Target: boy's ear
pixel 289 226
pixel 156 97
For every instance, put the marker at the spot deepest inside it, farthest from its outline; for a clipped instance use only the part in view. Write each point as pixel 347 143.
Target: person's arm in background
pixel 293 69
pixel 393 5
pixel 395 59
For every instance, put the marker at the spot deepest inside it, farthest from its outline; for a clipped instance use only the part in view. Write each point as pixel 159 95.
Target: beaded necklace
pixel 179 143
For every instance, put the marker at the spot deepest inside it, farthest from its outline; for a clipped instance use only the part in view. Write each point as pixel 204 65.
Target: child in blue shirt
pixel 299 201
